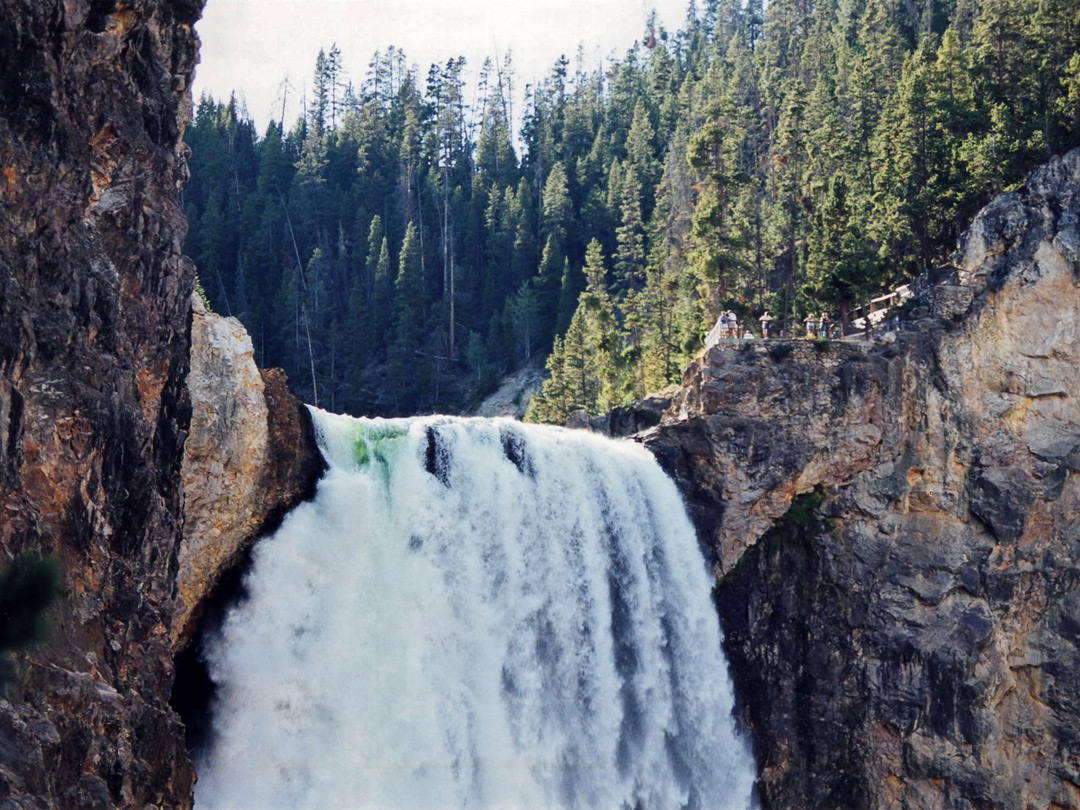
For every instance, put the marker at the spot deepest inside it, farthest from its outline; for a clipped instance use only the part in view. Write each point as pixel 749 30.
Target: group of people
pixel 818 327
pixel 727 326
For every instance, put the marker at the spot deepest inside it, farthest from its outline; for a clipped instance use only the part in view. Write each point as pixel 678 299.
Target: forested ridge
pixel 398 249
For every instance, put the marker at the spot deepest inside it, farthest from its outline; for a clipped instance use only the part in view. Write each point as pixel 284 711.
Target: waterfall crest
pixel 476 614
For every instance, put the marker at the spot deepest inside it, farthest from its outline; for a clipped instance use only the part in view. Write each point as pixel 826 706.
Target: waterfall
pixel 475 614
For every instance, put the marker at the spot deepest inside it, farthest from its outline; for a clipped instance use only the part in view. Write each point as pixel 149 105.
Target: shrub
pixel 28 586
pixel 778 351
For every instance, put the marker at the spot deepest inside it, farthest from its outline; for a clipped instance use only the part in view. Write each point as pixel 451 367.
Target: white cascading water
pixel 476 614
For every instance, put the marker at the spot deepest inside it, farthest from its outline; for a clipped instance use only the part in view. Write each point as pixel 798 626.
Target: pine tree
pixel 571 286
pixel 321 101
pixel 523 217
pixel 554 402
pixel 522 310
pixel 547 283
pixel 408 324
pixel 556 211
pixel 1068 104
pixel 630 235
pixel 789 156
pixel 840 266
pixel 914 161
pixel 495 157
pixel 640 155
pixel 715 244
pixel 591 347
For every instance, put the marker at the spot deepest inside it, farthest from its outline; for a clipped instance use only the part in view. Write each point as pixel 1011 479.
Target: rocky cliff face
pixel 919 648
pixel 95 318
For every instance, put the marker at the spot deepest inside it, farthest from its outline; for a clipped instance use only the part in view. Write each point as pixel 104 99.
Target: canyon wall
pixel 96 404
pixel 915 643
pixel 94 319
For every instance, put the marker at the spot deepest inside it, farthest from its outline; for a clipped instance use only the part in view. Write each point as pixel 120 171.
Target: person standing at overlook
pixel 766 324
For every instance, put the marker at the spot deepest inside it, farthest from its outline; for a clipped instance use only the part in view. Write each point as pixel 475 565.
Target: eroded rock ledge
pixel 924 651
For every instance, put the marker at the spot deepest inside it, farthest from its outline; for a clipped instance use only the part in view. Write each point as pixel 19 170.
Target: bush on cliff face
pixel 802 520
pixel 804 511
pixel 27 588
pixel 778 351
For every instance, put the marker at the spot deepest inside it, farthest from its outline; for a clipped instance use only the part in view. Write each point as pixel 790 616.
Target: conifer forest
pixel 413 237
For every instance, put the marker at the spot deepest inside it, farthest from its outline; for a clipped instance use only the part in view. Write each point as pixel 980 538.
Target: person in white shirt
pixel 766 324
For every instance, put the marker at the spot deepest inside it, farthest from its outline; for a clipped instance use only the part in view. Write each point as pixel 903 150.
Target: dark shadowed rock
pixel 636 417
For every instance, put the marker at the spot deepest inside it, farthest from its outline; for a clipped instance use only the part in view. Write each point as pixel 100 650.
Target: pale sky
pixel 250 46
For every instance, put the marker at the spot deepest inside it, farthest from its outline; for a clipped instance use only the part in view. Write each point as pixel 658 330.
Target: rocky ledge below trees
pixel 920 648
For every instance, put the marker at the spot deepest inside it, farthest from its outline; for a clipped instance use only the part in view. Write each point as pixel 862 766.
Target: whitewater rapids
pixel 476 614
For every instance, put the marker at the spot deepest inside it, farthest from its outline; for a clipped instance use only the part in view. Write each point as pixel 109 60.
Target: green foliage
pixel 778 351
pixel 804 510
pixel 791 156
pixel 199 291
pixel 28 586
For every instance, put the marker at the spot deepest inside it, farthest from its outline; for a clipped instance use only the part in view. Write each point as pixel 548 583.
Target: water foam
pixel 476 614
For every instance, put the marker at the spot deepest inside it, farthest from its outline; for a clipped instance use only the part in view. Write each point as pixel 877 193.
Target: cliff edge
pixel 916 646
